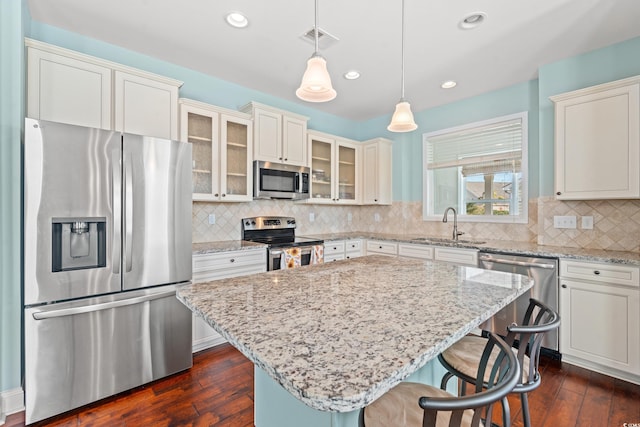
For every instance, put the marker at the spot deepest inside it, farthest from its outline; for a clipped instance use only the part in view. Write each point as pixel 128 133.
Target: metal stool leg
pixel 525 409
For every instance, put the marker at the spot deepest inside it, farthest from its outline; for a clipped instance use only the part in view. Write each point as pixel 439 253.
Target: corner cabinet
pixel 335 169
pixel 70 87
pixel 222 265
pixel 600 317
pixel 222 143
pixel 279 136
pixel 376 172
pixel 597 142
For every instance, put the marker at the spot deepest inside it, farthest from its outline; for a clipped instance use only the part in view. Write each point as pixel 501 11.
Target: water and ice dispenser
pixel 78 243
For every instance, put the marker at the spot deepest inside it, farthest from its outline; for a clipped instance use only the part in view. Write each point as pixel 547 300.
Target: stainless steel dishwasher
pixel 544 271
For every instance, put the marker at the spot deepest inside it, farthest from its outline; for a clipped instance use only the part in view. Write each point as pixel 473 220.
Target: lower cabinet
pixel 222 265
pixel 456 256
pixel 335 250
pixel 600 317
pixel 380 247
pixel 411 250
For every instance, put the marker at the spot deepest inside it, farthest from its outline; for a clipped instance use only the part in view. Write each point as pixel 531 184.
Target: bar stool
pixel 463 357
pixel 413 404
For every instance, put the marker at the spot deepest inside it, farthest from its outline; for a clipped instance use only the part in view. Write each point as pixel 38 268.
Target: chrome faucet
pixel 455 221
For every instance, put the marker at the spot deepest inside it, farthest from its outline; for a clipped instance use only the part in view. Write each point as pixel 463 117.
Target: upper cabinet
pixel 222 145
pixel 279 136
pixel 70 87
pixel 376 172
pixel 597 142
pixel 335 169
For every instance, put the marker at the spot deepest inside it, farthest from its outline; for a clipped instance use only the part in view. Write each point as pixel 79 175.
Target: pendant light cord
pixel 402 52
pixel 315 26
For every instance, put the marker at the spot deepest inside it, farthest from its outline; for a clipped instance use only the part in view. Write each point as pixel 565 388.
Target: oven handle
pixel 489 258
pixel 304 250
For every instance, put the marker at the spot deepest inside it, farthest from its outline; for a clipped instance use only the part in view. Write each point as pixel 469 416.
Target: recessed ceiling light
pixel 472 20
pixel 237 20
pixel 448 84
pixel 351 75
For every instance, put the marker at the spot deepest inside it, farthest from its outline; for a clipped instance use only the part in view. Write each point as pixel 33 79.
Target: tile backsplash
pixel 616 222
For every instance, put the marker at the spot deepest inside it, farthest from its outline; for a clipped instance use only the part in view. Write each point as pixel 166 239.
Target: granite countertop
pixel 225 246
pixel 337 336
pixel 499 246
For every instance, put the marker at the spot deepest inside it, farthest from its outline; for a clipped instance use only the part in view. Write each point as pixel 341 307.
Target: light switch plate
pixel 212 219
pixel 568 221
pixel 312 217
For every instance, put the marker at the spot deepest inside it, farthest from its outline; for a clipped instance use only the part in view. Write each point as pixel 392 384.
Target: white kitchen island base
pixel 276 407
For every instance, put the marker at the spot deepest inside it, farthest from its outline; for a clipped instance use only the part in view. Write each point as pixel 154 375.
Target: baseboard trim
pixel 612 372
pixel 11 401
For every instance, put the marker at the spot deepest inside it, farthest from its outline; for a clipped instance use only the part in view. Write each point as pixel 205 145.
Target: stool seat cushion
pixel 399 407
pixel 464 356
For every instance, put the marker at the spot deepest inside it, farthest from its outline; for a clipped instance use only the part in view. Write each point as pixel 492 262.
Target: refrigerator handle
pixel 42 315
pixel 116 180
pixel 128 213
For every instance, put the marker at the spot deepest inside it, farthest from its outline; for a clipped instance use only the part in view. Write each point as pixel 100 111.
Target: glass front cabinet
pixel 334 169
pixel 221 142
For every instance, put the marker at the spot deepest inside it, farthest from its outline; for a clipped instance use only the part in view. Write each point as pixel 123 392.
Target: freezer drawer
pixel 82 351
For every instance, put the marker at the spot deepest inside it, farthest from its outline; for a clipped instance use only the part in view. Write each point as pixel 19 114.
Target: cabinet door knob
pixel 216 194
pixel 597 272
pixel 223 194
pixel 375 200
pixel 380 247
pixel 232 260
pixel 286 159
pixel 558 193
pixel 564 286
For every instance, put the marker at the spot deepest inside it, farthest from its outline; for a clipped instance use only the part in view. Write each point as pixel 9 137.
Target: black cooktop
pixel 277 232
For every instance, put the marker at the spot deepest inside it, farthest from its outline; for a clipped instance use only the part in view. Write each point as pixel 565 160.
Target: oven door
pixel 274 260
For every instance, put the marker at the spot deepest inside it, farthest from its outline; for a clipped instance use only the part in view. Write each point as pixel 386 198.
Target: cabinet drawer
pixel 228 264
pixel 353 246
pixel 457 256
pixel 333 257
pixel 596 272
pixel 415 251
pixel 335 247
pixel 383 248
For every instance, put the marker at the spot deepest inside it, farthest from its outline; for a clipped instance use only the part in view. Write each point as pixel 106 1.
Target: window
pixel 480 169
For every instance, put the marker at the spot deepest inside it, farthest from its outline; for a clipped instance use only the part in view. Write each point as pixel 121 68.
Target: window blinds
pixel 494 147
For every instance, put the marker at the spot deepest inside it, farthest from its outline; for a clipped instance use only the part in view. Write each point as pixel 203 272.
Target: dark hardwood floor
pixel 218 391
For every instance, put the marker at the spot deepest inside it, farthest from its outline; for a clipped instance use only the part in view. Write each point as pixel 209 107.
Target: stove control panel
pixel 268 223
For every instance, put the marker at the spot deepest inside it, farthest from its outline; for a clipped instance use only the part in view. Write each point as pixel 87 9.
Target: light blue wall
pixel 599 66
pixel 407 150
pixel 197 85
pixel 12 28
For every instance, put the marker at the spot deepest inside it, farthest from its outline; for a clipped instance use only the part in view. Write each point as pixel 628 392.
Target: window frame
pixel 427 202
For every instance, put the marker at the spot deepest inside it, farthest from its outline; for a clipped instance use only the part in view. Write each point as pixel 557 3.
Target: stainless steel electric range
pixel 278 232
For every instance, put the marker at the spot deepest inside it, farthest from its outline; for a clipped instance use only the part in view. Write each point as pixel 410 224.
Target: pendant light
pixel 402 119
pixel 316 82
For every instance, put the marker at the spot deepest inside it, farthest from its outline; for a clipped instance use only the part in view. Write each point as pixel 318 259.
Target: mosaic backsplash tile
pixel 616 222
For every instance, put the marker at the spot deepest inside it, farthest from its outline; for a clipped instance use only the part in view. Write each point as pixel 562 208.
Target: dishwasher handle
pixel 489 258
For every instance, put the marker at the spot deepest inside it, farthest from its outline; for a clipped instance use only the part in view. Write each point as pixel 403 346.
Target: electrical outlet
pixel 349 217
pixel 312 217
pixel 587 223
pixel 376 217
pixel 212 219
pixel 568 221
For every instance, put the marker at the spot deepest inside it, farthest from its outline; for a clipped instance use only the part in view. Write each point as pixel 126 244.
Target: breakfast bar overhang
pixel 327 340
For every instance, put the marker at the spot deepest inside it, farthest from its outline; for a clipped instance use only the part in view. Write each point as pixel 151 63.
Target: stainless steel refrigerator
pixel 107 239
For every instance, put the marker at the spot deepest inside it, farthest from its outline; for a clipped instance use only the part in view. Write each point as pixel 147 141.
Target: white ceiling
pixel 269 55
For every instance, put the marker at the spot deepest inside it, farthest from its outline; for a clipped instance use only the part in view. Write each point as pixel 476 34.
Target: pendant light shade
pixel 402 119
pixel 316 82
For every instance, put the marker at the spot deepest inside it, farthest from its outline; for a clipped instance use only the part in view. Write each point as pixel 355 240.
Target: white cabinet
pixel 376 172
pixel 145 106
pixel 279 136
pixel 600 317
pixel 70 87
pixel 222 142
pixel 335 250
pixel 412 250
pixel 456 256
pixel 335 169
pixel 597 142
pixel 222 265
pixel 381 247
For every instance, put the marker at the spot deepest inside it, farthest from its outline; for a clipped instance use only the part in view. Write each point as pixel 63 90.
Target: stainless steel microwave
pixel 279 181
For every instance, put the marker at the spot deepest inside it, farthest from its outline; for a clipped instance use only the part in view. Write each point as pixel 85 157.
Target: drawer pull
pixel 380 247
pixel 335 248
pixel 232 260
pixel 564 286
pixel 596 272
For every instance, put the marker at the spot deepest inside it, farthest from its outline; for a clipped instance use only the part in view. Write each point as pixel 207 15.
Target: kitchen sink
pixel 450 241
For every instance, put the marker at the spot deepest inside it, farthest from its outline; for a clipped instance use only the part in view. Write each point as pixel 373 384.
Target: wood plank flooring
pixel 218 391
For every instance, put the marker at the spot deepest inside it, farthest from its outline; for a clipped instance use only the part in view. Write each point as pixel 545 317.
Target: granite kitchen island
pixel 337 336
